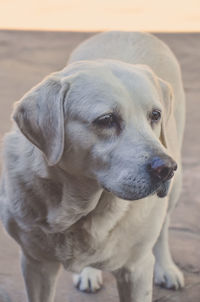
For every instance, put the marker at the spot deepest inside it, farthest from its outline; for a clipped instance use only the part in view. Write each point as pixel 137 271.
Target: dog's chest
pixel 106 237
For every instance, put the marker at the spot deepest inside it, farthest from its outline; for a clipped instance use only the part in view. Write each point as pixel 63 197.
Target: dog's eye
pixel 108 120
pixel 155 115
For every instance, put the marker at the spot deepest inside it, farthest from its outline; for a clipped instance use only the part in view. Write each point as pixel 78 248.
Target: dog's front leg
pixel 40 279
pixel 134 282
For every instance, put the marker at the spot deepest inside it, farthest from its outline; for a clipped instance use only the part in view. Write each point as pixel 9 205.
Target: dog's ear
pixel 40 117
pixel 167 99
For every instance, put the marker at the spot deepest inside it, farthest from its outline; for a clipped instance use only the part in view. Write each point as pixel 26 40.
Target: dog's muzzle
pixel 161 170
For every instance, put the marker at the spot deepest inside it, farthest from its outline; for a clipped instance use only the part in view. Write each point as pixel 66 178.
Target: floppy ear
pixel 40 117
pixel 167 98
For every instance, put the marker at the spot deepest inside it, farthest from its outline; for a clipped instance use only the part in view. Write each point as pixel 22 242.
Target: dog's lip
pixel 124 197
pixel 161 190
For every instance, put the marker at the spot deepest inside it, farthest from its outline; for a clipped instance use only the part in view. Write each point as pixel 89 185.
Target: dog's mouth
pixel 163 189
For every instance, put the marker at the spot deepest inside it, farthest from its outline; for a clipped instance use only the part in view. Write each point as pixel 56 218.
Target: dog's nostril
pixel 162 169
pixel 163 172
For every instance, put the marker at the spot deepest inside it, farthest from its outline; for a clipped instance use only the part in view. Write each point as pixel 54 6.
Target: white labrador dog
pixel 88 168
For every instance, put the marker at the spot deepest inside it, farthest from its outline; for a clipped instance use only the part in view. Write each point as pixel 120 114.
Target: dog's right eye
pixel 108 120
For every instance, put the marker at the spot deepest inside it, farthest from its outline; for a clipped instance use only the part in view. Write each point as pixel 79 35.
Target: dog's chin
pixel 161 190
pixel 131 196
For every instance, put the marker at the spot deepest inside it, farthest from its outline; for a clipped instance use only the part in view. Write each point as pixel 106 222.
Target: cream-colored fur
pixel 78 192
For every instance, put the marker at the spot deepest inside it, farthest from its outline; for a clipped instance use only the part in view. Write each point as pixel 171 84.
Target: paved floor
pixel 25 58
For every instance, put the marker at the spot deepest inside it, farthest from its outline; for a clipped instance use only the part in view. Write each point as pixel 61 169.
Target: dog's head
pixel 104 120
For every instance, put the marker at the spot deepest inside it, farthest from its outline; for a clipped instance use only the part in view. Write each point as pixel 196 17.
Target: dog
pixel 92 169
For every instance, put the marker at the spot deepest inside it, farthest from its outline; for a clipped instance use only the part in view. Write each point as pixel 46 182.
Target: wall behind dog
pixel 95 15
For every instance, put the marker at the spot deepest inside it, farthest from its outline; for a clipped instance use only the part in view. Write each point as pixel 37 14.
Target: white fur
pixel 90 280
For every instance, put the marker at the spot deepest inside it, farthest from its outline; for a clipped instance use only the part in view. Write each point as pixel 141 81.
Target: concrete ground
pixel 25 58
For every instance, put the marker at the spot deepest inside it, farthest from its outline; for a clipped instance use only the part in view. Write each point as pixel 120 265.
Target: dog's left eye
pixel 108 120
pixel 155 115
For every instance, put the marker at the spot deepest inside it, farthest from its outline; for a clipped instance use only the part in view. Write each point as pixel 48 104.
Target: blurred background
pixel 95 15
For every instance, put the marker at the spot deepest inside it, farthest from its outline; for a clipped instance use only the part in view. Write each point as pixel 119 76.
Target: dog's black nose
pixel 162 168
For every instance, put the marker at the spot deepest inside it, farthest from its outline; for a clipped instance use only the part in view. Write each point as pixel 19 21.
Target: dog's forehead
pixel 96 91
pixel 139 80
pixel 101 88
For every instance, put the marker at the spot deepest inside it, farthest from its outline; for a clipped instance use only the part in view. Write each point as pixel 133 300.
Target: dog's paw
pixel 89 280
pixel 168 276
